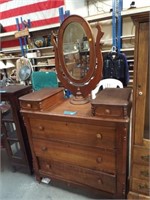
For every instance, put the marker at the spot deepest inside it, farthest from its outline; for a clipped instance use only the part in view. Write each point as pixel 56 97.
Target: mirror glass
pixel 76 50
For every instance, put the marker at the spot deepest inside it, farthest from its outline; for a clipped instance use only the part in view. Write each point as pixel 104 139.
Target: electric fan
pixel 25 73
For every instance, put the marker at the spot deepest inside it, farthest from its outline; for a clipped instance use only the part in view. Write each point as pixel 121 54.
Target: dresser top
pixel 66 108
pixel 13 89
pixel 113 97
pixel 40 95
pixel 63 109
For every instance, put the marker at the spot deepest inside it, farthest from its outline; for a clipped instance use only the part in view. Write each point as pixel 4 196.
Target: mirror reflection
pixel 76 51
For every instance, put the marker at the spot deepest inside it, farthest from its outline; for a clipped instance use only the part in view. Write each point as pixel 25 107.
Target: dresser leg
pixel 38 178
pixel 14 169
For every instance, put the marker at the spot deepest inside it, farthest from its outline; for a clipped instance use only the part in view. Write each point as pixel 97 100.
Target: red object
pixel 40 13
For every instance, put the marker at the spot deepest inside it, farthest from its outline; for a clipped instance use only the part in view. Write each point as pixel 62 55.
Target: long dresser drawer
pixel 85 134
pixel 95 179
pixel 93 158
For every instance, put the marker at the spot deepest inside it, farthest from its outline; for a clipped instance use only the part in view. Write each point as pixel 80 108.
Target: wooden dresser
pixel 70 144
pixel 140 157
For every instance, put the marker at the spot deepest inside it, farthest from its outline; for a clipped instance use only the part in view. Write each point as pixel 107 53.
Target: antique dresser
pixel 83 145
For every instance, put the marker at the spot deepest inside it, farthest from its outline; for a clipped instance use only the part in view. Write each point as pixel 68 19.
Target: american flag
pixel 39 12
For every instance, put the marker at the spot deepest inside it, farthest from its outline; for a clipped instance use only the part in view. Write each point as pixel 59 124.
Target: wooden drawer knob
pixel 146 158
pixel 28 105
pixel 44 148
pixel 145 173
pixel 140 93
pixel 143 186
pixel 107 111
pixel 41 128
pixel 99 136
pixel 99 160
pixel 100 181
pixel 48 166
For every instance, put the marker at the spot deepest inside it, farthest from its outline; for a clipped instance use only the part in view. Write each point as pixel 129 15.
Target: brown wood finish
pixel 81 87
pixel 92 178
pixel 140 154
pixel 21 159
pixel 81 149
pixel 137 196
pixel 89 34
pixel 86 134
pixel 119 98
pixel 42 100
pixel 141 172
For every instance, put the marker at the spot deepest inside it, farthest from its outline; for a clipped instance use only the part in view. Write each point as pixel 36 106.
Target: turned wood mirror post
pixel 78 57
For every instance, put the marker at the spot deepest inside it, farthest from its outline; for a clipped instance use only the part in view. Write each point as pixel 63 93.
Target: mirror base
pixel 79 99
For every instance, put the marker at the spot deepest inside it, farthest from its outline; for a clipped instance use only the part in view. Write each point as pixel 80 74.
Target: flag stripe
pixel 45 15
pixel 10 4
pixel 11 43
pixel 39 12
pixel 44 5
pixel 4 1
pixel 35 23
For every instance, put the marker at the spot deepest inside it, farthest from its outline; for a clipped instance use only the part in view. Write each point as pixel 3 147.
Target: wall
pixel 138 3
pixel 93 7
pixel 78 7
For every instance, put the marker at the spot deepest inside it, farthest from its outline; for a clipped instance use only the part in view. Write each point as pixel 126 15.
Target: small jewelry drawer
pixel 31 105
pixel 41 100
pixel 85 176
pixel 108 111
pixel 112 103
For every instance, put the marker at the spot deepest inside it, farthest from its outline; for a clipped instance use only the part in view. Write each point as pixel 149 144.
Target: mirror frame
pixel 83 87
pixel 92 54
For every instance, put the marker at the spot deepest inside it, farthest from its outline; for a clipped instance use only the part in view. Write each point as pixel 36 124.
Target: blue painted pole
pixel 29 23
pixel 119 32
pixel 24 38
pixel 67 13
pixel 61 14
pixel 20 40
pixel 114 23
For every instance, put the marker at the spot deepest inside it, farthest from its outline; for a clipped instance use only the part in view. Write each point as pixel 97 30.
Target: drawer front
pixel 35 106
pixel 108 111
pixel 136 196
pixel 98 180
pixel 141 186
pixel 141 172
pixel 141 155
pixel 76 155
pixel 42 99
pixel 84 134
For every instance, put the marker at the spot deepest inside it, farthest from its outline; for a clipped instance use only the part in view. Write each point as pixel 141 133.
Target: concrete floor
pixel 20 186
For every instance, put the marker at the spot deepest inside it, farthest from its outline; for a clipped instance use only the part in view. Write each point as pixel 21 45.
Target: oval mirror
pixel 78 57
pixel 76 51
